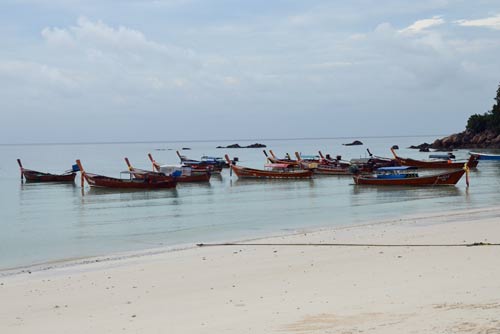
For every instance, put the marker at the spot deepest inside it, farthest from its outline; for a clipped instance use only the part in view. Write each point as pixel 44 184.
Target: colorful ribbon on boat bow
pixel 466 169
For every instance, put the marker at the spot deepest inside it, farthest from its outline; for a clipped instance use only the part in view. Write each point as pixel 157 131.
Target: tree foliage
pixel 487 121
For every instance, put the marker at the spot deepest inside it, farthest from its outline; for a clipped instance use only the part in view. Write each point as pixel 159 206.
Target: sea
pixel 50 222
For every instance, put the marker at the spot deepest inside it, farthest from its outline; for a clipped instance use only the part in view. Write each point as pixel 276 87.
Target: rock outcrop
pixel 354 143
pixel 466 139
pixel 256 145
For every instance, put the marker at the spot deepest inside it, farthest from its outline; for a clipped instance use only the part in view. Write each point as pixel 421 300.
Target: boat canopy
pixel 395 168
pixel 309 157
pixel 207 158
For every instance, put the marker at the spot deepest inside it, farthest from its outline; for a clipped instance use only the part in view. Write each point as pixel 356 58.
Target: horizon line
pixel 208 140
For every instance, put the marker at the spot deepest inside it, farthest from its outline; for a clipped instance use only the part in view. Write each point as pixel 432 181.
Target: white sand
pixel 272 289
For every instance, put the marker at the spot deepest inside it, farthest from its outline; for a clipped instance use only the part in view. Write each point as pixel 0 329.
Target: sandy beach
pixel 279 289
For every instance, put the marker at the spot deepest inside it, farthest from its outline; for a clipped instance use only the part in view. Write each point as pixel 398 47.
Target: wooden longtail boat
pixel 187 174
pixel 215 165
pixel 277 171
pixel 370 164
pixel 328 160
pixel 407 176
pixel 143 173
pixel 435 164
pixel 273 159
pixel 35 176
pixel 149 181
pixel 323 167
pixel 486 156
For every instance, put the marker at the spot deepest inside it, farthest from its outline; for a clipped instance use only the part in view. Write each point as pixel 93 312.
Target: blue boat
pixel 486 156
pixel 396 172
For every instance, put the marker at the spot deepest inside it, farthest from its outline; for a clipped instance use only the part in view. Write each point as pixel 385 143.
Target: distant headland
pixel 482 131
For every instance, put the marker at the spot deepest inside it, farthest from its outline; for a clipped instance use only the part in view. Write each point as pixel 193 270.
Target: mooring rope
pixel 474 244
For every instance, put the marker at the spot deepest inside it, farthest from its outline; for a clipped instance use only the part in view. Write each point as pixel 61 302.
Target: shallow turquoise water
pixel 49 222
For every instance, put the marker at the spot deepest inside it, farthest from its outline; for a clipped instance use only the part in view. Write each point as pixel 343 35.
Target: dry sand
pixel 279 289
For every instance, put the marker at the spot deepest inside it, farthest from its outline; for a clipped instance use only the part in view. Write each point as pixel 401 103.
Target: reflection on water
pixel 398 191
pixel 273 182
pixel 364 194
pixel 40 186
pixel 131 193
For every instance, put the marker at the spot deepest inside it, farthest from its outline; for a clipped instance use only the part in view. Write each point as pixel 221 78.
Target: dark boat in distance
pixel 149 181
pixel 36 176
pixel 408 176
pixel 276 171
pixel 436 164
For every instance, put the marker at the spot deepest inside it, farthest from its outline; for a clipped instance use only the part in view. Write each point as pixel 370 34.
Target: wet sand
pixel 278 289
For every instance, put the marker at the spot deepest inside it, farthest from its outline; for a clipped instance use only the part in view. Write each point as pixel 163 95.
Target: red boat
pixel 324 167
pixel 435 164
pixel 370 164
pixel 149 181
pixel 328 160
pixel 287 160
pixel 408 176
pixel 276 171
pixel 186 174
pixel 35 176
pixel 142 173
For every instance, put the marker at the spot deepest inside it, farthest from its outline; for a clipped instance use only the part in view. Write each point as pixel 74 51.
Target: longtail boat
pixel 287 160
pixel 215 165
pixel 149 181
pixel 328 160
pixel 143 173
pixel 323 167
pixel 373 162
pixel 435 164
pixel 275 171
pixel 184 173
pixel 408 176
pixel 36 176
pixel 486 156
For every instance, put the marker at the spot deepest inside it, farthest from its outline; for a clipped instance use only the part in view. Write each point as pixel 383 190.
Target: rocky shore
pixel 467 139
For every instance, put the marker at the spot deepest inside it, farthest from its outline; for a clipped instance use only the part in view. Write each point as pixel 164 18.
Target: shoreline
pixel 268 289
pixel 116 257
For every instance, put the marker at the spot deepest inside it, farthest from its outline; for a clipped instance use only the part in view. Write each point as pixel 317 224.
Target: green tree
pixel 487 121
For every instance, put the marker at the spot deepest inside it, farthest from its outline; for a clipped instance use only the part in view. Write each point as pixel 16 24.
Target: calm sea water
pixel 50 222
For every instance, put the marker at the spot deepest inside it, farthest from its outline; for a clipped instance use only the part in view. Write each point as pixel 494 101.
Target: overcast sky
pixel 140 70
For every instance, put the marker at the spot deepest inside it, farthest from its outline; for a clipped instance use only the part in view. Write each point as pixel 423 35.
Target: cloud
pixel 37 74
pixel 489 22
pixel 98 36
pixel 422 25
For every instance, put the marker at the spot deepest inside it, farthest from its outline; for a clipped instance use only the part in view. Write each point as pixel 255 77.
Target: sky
pixel 164 70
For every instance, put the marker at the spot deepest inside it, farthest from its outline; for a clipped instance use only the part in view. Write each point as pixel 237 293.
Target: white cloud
pixel 37 73
pixel 422 25
pixel 58 37
pixel 97 38
pixel 489 22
